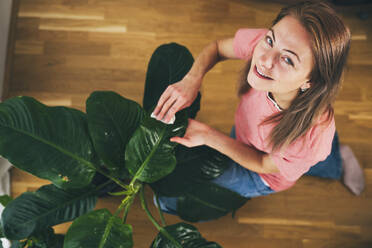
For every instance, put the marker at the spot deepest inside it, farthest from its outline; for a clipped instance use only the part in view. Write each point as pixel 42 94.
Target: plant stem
pixel 103 185
pixel 126 210
pixel 160 212
pixel 161 229
pixel 122 204
pixel 128 200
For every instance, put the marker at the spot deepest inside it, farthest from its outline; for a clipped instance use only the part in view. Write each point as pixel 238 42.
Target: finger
pixel 163 98
pixel 182 141
pixel 167 105
pixel 177 106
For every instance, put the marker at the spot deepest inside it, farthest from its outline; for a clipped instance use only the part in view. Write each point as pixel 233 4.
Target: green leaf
pixel 112 120
pixel 187 235
pixel 99 229
pixel 205 163
pixel 48 206
pixel 193 164
pixel 58 241
pixel 149 155
pixel 208 201
pixel 49 142
pixel 5 199
pixel 46 239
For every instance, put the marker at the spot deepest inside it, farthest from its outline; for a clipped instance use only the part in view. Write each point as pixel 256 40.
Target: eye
pixel 288 61
pixel 269 40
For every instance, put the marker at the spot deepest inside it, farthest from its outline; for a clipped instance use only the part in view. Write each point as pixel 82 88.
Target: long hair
pixel 330 44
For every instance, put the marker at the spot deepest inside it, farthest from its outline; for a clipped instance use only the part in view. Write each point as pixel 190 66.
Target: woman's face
pixel 283 57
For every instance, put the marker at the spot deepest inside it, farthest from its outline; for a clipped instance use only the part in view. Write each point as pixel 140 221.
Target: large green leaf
pixel 112 120
pixel 99 229
pixel 206 162
pixel 208 201
pixel 48 206
pixel 49 142
pixel 46 239
pixel 193 164
pixel 187 235
pixel 149 155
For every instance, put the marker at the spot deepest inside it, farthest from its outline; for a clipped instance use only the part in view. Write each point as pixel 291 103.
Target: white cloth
pixel 172 120
pixel 4 188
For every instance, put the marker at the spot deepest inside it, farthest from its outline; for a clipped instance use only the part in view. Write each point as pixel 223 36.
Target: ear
pixel 306 86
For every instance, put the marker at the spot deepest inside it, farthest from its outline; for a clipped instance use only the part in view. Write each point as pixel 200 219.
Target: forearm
pixel 204 62
pixel 241 153
pixel 198 133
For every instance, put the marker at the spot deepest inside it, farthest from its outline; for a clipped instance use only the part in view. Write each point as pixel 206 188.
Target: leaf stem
pixel 160 229
pixel 160 212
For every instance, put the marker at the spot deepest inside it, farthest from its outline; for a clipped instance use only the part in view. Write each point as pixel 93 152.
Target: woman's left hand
pixel 196 134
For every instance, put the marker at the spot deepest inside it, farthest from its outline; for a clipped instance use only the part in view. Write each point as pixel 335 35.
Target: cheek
pixel 285 71
pixel 257 52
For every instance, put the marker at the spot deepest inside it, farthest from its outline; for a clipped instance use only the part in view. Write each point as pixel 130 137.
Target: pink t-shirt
pixel 255 106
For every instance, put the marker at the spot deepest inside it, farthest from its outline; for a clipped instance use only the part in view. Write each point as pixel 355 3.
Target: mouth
pixel 260 74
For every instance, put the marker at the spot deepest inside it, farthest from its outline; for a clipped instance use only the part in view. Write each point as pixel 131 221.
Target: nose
pixel 267 59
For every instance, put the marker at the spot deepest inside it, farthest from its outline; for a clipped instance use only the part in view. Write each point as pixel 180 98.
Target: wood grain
pixel 65 49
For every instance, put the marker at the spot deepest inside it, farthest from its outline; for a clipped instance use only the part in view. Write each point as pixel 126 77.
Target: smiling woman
pixel 284 124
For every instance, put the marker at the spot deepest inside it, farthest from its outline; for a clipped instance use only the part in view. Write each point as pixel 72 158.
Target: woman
pixel 284 124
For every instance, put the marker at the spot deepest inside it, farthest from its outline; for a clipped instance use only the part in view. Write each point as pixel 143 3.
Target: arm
pixel 181 94
pixel 200 134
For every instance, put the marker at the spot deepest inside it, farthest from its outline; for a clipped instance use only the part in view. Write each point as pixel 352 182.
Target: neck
pixel 284 100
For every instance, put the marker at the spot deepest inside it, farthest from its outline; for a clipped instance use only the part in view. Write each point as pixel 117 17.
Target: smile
pixel 260 74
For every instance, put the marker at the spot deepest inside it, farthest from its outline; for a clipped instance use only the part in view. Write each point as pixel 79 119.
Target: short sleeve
pixel 300 156
pixel 245 40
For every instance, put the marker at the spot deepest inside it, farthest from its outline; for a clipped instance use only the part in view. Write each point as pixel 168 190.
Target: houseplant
pixel 118 140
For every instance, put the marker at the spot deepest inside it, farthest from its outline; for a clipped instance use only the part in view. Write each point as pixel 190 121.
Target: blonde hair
pixel 330 43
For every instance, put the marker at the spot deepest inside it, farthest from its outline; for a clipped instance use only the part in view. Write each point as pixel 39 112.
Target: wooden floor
pixel 66 49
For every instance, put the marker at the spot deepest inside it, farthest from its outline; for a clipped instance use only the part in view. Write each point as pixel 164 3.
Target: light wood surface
pixel 65 49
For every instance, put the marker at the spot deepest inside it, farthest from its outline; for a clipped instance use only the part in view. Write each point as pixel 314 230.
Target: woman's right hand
pixel 176 97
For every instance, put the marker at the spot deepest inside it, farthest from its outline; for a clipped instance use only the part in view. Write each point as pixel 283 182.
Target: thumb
pixel 179 140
